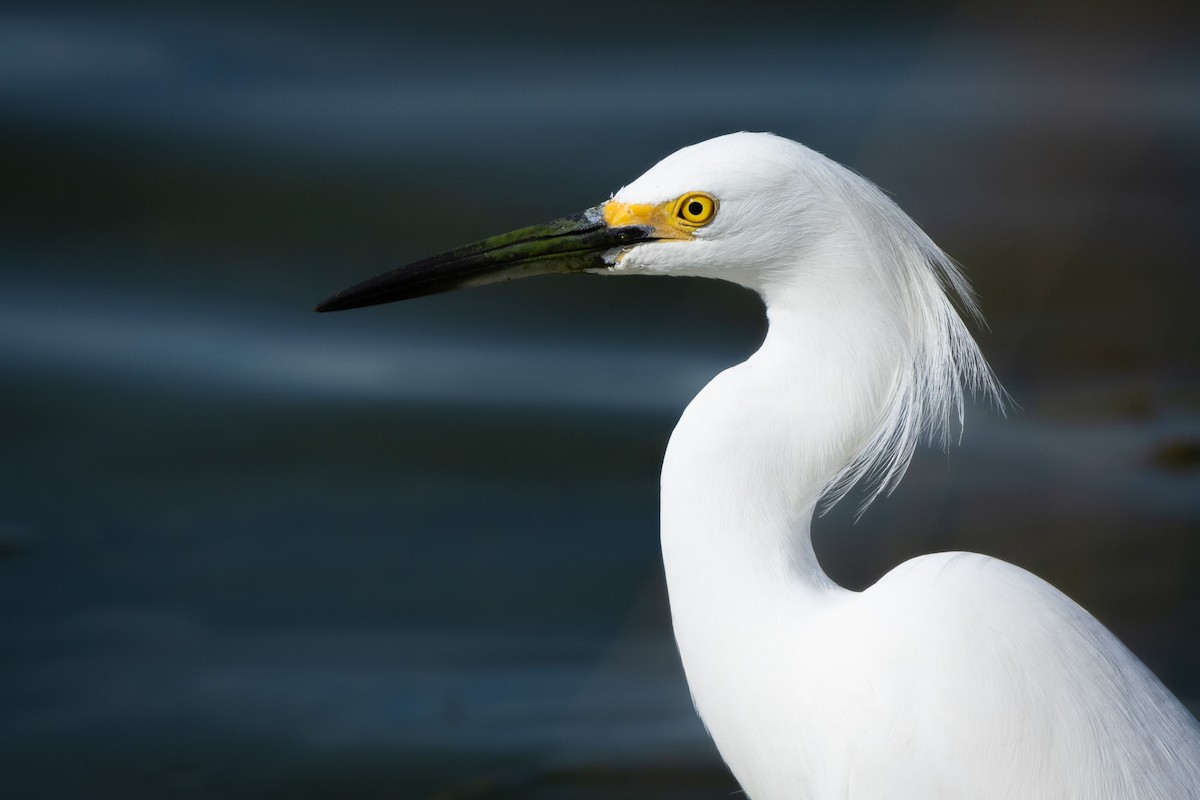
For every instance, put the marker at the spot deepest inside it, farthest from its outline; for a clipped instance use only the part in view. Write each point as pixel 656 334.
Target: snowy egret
pixel 956 675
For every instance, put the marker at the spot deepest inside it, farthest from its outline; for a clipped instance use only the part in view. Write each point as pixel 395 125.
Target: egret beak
pixel 576 243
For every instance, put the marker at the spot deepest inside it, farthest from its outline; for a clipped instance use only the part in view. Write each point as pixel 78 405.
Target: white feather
pixel 956 675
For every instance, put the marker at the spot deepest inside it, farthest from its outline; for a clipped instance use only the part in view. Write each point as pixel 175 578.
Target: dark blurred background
pixel 411 551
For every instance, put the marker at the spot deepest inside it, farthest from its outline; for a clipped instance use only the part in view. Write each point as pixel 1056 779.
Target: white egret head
pixel 746 208
pixel 775 217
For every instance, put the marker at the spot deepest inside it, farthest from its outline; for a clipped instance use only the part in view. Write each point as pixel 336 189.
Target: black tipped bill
pixel 572 244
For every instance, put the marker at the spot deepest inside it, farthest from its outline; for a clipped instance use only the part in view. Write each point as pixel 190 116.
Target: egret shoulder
pixel 998 667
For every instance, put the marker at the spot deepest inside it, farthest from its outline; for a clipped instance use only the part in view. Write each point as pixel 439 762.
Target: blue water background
pixel 411 551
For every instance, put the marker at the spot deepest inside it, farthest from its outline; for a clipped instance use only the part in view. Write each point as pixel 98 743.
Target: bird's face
pixel 738 208
pixel 726 208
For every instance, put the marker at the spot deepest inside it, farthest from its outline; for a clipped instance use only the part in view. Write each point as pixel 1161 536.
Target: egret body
pixel 956 675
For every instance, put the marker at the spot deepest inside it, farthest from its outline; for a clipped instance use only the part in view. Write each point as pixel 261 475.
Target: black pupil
pixel 695 208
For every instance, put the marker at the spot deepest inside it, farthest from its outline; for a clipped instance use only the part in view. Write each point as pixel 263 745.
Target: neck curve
pixel 753 453
pixel 744 470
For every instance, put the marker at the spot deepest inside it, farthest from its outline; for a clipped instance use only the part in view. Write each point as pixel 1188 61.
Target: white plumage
pixel 956 675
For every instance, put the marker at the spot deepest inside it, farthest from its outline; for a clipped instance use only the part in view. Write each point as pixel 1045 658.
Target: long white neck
pixel 755 449
pixel 743 472
pixel 864 355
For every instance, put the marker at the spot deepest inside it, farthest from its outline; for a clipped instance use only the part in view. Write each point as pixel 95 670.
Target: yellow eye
pixel 696 209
